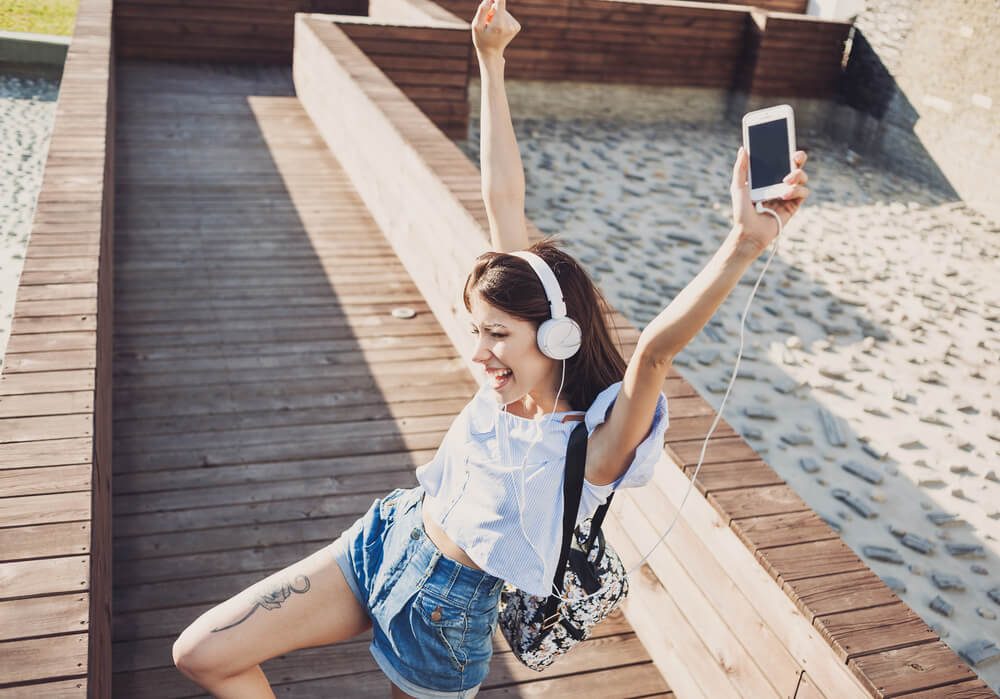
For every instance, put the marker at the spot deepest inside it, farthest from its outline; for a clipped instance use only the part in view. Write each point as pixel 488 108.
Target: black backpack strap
pixel 576 458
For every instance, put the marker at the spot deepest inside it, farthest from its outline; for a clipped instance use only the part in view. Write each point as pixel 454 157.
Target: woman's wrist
pixel 741 247
pixel 491 59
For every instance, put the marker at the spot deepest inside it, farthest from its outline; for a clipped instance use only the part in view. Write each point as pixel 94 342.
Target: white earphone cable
pixel 739 355
pixel 524 496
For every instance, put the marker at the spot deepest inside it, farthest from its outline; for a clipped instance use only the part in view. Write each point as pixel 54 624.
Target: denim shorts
pixel 433 619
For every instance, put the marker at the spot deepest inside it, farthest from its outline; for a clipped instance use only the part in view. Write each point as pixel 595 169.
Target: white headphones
pixel 558 337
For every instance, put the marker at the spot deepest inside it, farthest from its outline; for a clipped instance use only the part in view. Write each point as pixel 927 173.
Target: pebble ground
pixel 27 112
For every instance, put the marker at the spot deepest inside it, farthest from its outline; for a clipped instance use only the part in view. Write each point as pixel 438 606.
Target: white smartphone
pixel 769 139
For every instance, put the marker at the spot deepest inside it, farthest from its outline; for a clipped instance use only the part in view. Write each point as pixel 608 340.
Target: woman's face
pixel 507 349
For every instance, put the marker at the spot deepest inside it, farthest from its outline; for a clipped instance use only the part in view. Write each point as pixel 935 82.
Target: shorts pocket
pixel 449 624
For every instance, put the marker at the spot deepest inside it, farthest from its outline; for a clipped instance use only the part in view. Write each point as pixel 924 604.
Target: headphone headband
pixel 545 274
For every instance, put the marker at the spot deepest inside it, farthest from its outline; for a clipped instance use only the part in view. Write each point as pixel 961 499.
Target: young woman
pixel 423 567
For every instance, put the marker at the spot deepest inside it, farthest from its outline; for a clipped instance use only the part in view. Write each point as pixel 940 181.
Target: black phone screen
pixel 768 152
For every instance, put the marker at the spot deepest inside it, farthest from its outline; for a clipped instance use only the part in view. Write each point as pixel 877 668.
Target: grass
pixel 38 16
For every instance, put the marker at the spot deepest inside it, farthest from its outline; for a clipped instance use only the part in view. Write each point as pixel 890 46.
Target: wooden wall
pixel 795 55
pixel 55 399
pixel 216 30
pixel 691 44
pixel 424 50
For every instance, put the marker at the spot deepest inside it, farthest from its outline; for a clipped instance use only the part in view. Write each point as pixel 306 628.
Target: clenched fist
pixel 493 27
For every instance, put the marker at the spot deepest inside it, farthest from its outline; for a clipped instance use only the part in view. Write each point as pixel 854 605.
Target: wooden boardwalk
pixel 263 393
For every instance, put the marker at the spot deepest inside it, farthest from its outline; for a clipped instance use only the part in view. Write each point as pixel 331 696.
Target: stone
pixel 917 543
pixel 863 472
pixel 931 483
pixel 793 342
pixel 796 439
pixel 894 584
pixel 939 605
pixel 979 652
pixel 758 413
pixel 752 433
pixel 786 385
pixel 872 451
pixel 882 553
pixel 833 427
pixel 832 372
pixel 986 613
pixel 854 503
pixel 708 357
pixel 994 594
pixel 966 550
pixel 808 464
pixel 978 569
pixel 944 581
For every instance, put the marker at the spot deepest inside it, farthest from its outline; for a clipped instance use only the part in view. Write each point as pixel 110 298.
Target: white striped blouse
pixel 474 484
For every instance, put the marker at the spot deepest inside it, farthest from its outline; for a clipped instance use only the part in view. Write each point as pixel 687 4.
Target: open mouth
pixel 499 377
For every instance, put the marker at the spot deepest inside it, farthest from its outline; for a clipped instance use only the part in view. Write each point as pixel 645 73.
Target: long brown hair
pixel 510 284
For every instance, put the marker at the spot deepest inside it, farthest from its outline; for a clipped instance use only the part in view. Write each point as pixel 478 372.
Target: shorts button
pixel 436 614
pixel 415 534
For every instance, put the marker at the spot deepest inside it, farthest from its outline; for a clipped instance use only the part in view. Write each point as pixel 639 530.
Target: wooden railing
pixel 230 31
pixel 55 399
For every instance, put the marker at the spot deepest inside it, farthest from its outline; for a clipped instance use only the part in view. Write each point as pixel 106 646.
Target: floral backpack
pixel 539 629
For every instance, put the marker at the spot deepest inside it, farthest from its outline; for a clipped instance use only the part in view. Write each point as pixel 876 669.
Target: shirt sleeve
pixel 640 471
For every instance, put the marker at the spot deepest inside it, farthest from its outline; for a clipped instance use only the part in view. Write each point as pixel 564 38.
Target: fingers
pixel 480 12
pixel 796 177
pixel 740 169
pixel 797 192
pixel 800 157
pixel 501 5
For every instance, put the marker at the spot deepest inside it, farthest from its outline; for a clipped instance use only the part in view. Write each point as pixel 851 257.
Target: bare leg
pixel 305 605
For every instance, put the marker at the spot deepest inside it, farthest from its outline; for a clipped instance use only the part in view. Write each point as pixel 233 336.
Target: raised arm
pixel 500 161
pixel 614 442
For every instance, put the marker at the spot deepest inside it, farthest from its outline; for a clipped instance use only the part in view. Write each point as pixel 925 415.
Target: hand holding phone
pixel 768 171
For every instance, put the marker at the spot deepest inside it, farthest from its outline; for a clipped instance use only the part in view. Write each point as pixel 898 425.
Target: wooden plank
pixel 51 479
pixel 782 529
pixel 59 689
pixel 44 576
pixel 893 673
pixel 39 658
pixel 43 509
pixel 54 452
pixel 41 616
pixel 812 559
pixel 829 594
pixel 44 540
pixel 863 631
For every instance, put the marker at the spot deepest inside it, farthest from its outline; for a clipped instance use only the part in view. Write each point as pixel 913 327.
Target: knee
pixel 193 657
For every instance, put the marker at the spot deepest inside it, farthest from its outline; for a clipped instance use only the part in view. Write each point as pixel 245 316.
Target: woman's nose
pixel 482 352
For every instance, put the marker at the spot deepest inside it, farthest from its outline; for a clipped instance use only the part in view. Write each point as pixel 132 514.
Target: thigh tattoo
pixel 272 599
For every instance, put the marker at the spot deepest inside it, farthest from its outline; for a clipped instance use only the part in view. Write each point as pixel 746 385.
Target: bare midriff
pixel 444 543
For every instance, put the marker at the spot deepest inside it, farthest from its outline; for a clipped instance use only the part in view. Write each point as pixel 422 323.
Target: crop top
pixel 474 484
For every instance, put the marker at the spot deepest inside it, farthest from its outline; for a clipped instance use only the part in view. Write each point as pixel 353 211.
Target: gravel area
pixel 870 369
pixel 27 112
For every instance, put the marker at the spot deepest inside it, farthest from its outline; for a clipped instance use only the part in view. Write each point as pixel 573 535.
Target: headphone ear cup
pixel 559 338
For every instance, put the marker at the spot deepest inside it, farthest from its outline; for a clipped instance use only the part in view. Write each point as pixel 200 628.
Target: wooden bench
pixel 55 399
pixel 752 594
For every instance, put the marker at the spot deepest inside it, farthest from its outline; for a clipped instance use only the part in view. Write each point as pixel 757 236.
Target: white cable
pixel 739 355
pixel 524 497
